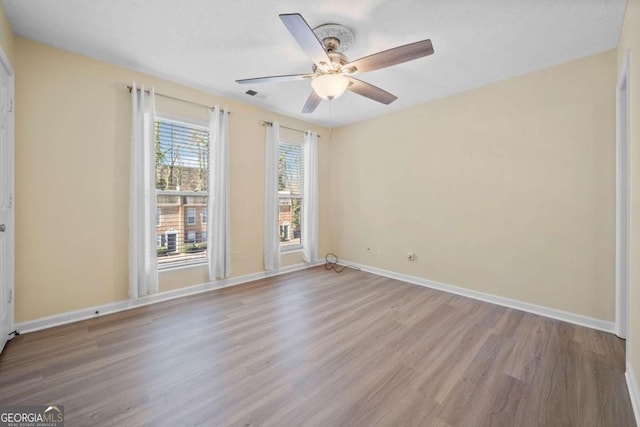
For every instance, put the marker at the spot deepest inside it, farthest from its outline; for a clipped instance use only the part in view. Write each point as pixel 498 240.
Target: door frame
pixel 623 199
pixel 6 64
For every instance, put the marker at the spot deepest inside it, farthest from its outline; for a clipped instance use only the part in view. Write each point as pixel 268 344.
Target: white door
pixel 6 201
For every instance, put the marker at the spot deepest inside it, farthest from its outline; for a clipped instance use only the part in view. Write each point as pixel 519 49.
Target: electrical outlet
pixel 236 255
pixel 411 256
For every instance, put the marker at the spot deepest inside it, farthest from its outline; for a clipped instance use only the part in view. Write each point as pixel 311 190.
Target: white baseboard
pixel 634 391
pixel 114 307
pixel 565 316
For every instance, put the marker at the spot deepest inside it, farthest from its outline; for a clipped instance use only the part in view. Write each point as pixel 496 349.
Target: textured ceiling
pixel 211 43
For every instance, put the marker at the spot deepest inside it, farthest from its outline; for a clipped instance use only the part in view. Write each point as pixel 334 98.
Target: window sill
pixel 162 269
pixel 291 250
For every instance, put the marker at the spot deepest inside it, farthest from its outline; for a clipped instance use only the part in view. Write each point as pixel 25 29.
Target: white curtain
pixel 218 218
pixel 143 268
pixel 271 242
pixel 310 198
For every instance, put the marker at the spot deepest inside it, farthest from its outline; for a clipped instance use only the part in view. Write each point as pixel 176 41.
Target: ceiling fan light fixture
pixel 332 70
pixel 330 86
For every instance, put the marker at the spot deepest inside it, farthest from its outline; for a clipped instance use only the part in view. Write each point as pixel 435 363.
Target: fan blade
pixel 390 57
pixel 275 79
pixel 304 35
pixel 370 91
pixel 312 103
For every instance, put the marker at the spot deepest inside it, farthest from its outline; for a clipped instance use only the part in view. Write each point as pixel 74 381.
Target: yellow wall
pixel 630 41
pixel 6 36
pixel 72 174
pixel 508 189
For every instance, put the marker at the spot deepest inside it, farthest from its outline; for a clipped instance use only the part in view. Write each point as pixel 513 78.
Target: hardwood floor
pixel 323 349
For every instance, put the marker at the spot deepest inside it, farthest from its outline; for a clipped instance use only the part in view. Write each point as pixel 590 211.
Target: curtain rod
pixel 177 99
pixel 265 123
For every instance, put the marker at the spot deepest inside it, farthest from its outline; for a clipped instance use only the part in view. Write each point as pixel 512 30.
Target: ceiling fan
pixel 332 72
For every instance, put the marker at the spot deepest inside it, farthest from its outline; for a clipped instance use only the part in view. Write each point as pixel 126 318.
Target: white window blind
pixel 290 187
pixel 182 157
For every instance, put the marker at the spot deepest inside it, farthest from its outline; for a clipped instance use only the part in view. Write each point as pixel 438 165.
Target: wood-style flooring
pixel 321 349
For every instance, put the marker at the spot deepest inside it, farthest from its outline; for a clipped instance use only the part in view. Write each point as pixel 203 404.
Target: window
pixel 205 213
pixel 290 186
pixel 191 216
pixel 182 172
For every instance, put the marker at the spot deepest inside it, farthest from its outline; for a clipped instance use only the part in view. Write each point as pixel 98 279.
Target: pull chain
pixel 330 118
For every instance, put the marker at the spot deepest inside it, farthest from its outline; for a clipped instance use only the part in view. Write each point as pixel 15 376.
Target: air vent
pixel 251 92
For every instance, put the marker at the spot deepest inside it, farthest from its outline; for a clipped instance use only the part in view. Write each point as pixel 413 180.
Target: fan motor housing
pixel 337 61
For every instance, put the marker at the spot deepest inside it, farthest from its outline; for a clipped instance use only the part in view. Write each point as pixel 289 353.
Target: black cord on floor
pixel 331 263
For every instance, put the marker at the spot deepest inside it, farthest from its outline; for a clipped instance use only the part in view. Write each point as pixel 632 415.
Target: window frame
pixel 202 125
pixel 195 215
pixel 299 247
